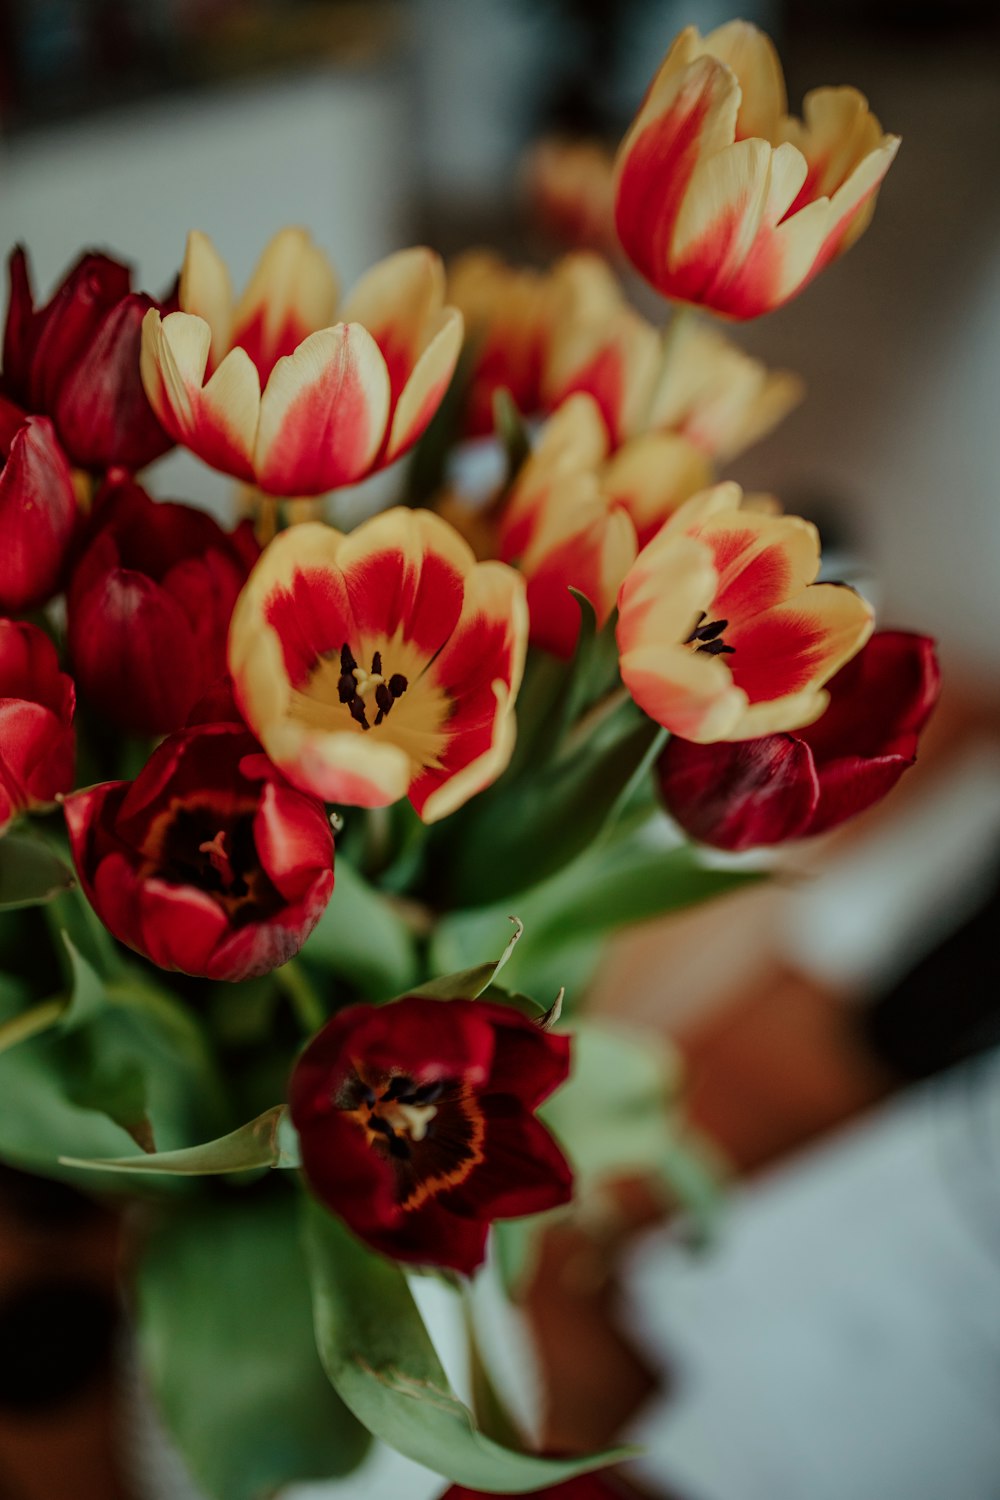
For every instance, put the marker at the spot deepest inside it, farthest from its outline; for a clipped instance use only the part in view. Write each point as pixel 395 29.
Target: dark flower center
pixel 431 1133
pixel 709 637
pixel 213 849
pixel 359 688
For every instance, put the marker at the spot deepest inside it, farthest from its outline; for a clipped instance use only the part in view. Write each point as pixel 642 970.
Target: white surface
pixel 843 1342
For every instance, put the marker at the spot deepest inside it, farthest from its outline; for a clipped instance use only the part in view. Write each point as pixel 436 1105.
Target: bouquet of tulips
pixel 548 683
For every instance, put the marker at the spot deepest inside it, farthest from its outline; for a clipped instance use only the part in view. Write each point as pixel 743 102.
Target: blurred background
pixel 843 1336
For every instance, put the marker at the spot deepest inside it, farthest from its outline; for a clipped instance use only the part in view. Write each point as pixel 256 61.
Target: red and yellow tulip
pixel 723 633
pixel 723 198
pixel 381 664
pixel 273 391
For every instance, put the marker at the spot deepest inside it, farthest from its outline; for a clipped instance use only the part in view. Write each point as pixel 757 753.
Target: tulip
pixel 570 189
pixel 209 862
pixel 37 746
pixel 791 786
pixel 149 606
pixel 382 664
pixel 723 199
pixel 416 1124
pixel 716 395
pixel 38 510
pixel 577 517
pixel 77 361
pixel 271 391
pixel 546 337
pixel 722 633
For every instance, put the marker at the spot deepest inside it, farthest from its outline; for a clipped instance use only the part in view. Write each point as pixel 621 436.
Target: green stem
pixel 593 719
pixel 302 996
pixel 492 1416
pixel 30 1022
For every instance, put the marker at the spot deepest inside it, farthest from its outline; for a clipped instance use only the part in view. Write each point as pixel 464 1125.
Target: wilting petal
pixel 740 796
pixel 323 414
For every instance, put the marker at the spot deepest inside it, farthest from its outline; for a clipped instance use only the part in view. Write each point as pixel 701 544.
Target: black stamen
pixel 377 1123
pixel 398 1147
pixel 709 632
pixel 383 697
pixel 400 1085
pixel 357 708
pixel 347 662
pixel 346 687
pixel 377 664
pixel 397 684
pixel 428 1093
pixel 717 648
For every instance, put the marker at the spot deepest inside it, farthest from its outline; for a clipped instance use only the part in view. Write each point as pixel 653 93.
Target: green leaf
pixel 545 821
pixel 469 984
pixel 253 1146
pixel 30 874
pixel 380 1360
pixel 88 993
pixel 226 1333
pixel 569 916
pixel 362 938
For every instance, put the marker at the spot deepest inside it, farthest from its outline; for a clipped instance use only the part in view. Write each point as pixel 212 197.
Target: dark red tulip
pixel 149 606
pixel 36 721
pixel 209 862
pixel 77 361
pixel 38 510
pixel 417 1126
pixel 790 786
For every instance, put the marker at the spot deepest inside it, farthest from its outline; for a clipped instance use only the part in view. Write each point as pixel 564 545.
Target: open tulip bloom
pixel 564 625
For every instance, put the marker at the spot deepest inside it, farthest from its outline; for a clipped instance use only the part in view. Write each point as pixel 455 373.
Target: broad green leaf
pixel 469 984
pixel 380 1360
pixel 545 821
pixel 252 1147
pixel 362 938
pixel 225 1329
pixel 39 1119
pixel 568 917
pixel 30 874
pixel 88 994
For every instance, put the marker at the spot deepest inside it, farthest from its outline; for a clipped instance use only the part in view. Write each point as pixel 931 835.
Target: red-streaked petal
pixel 690 111
pixel 405 572
pixel 422 394
pixel 291 294
pixel 580 543
pixel 761 561
pixel 796 647
pixel 480 670
pixel 323 414
pixel 651 476
pixel 217 420
pixel 398 300
pixel 338 766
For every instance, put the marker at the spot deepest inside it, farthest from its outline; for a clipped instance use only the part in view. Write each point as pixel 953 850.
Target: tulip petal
pixel 522 1172
pixel 397 301
pixel 218 420
pixel 651 476
pixel 291 294
pixel 207 291
pixel 761 560
pixel 293 839
pixel 38 515
pixel 431 376
pixel 746 795
pixel 754 59
pixel 405 575
pixel 479 669
pixel 528 1063
pixel 323 414
pixel 794 647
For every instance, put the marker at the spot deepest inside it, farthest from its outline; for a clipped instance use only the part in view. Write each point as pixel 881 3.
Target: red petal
pixel 38 517
pixel 522 1171
pixel 528 1063
pixel 742 795
pixel 294 840
pixel 880 701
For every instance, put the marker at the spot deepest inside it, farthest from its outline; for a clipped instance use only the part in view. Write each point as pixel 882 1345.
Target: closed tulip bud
pixel 36 722
pixel 149 606
pixel 77 361
pixel 38 510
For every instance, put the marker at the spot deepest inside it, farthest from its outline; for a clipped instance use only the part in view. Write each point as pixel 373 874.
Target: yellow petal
pixel 292 293
pixel 206 291
pixel 754 59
